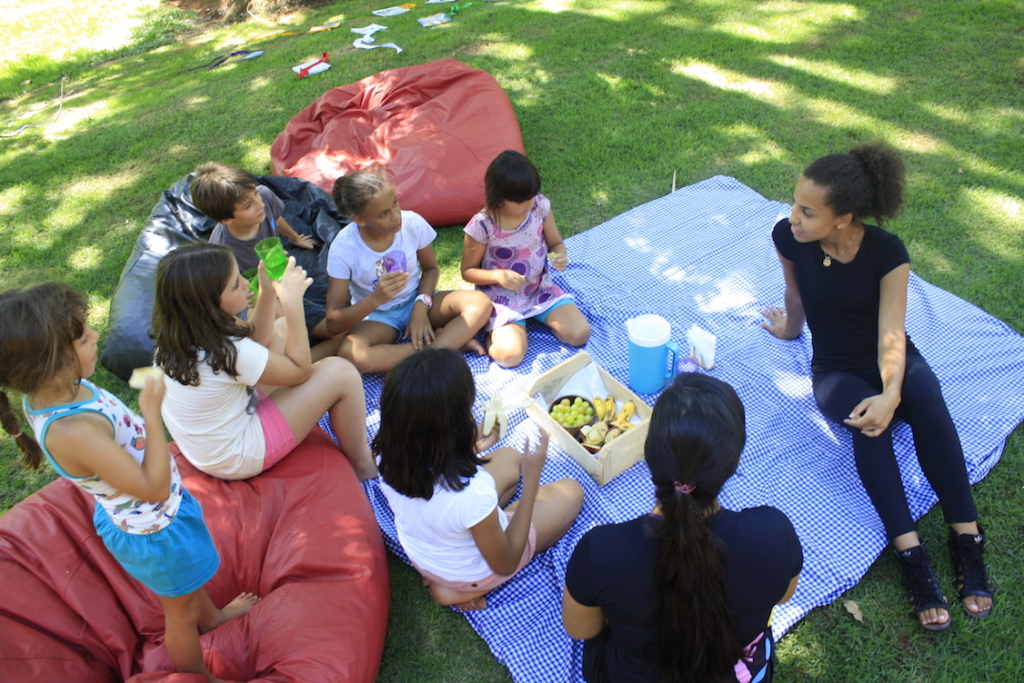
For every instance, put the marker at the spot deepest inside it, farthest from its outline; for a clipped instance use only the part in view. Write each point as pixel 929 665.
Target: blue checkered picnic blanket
pixel 703 255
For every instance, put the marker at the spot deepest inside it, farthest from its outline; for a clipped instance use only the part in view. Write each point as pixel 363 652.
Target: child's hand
pixel 510 279
pixel 151 396
pixel 533 459
pixel 293 282
pixel 419 330
pixel 485 442
pixel 558 261
pixel 305 242
pixel 389 285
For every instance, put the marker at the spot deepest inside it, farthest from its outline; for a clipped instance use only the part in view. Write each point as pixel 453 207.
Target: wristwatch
pixel 426 299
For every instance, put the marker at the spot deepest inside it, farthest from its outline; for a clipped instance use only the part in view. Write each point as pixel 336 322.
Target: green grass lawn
pixel 613 97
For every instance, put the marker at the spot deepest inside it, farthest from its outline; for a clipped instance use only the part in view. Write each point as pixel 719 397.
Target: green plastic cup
pixel 271 252
pixel 253 276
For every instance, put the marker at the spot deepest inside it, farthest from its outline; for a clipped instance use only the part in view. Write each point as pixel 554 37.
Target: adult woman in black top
pixel 684 594
pixel 848 280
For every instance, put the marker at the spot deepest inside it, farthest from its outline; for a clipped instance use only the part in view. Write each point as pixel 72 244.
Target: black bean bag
pixel 176 221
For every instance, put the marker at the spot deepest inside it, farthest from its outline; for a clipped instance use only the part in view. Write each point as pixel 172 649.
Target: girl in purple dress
pixel 506 251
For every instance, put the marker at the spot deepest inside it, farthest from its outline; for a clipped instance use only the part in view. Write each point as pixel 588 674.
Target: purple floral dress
pixel 524 251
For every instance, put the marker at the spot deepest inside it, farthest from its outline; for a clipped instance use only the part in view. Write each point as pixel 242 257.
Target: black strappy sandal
pixel 922 585
pixel 968 551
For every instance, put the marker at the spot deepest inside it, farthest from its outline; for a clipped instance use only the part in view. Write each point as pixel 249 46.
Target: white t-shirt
pixel 436 533
pixel 350 259
pixel 214 424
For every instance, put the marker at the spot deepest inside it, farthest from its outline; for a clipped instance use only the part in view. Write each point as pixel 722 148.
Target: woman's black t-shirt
pixel 842 300
pixel 613 567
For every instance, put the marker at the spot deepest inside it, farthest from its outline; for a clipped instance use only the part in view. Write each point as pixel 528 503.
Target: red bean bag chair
pixel 434 126
pixel 302 535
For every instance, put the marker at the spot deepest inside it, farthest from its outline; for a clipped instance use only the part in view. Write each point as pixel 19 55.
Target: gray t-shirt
pixel 245 250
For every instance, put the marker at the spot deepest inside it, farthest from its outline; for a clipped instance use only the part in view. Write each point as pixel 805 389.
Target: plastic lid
pixel 649 330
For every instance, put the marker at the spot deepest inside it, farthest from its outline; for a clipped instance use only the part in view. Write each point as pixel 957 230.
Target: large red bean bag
pixel 434 126
pixel 303 536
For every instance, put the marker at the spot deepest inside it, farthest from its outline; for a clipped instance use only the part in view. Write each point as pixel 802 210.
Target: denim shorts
pixel 543 317
pixel 397 317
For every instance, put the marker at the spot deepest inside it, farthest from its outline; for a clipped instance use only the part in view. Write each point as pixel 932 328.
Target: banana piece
pixel 609 407
pixel 628 409
pixel 497 414
pixel 599 408
pixel 140 375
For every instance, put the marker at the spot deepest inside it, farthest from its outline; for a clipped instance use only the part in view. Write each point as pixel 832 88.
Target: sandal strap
pixel 920 580
pixel 968 551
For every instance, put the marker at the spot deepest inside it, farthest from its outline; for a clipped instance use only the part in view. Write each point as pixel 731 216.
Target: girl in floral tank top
pixel 148 521
pixel 506 251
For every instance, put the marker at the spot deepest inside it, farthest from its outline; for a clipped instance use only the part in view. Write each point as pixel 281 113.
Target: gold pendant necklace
pixel 827 261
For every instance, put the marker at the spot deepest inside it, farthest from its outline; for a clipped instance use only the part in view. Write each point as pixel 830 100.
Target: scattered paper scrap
pixel 434 20
pixel 325 27
pixel 854 609
pixel 702 346
pixel 390 11
pixel 366 42
pixel 313 66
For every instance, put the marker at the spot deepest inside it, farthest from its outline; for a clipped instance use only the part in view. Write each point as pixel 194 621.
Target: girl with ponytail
pixel 684 594
pixel 848 280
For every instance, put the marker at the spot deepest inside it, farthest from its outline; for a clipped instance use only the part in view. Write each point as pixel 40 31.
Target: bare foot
pixel 473 346
pixel 472 605
pixel 236 608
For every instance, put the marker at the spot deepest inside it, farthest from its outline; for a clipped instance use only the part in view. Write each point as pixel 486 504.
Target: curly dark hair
pixel 868 181
pixel 187 317
pixel 38 329
pixel 427 434
pixel 697 433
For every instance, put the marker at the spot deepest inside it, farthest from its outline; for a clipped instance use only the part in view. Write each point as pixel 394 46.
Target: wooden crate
pixel 613 458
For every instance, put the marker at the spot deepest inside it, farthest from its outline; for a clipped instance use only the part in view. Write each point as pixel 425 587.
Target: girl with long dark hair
pixel 684 593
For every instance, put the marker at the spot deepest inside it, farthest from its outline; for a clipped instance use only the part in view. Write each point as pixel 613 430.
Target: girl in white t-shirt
pixel 447 500
pixel 383 274
pixel 241 395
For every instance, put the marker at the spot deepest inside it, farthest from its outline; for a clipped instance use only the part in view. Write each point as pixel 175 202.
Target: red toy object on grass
pixel 302 536
pixel 434 126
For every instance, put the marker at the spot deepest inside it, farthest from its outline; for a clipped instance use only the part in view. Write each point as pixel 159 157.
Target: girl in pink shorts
pixel 451 506
pixel 241 394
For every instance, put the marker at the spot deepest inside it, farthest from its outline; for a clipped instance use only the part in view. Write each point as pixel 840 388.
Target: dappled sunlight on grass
pixel 990 206
pixel 71 117
pixel 494 45
pixel 600 197
pixel 96 25
pixel 84 258
pixel 762 147
pixel 871 82
pixel 96 186
pixel 784 21
pixel 770 92
pixel 259 83
pixel 255 154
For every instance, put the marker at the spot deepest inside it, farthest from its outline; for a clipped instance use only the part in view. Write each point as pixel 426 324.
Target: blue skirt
pixel 172 562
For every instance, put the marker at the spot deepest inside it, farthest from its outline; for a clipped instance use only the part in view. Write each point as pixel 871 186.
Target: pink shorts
pixel 488 583
pixel 277 435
